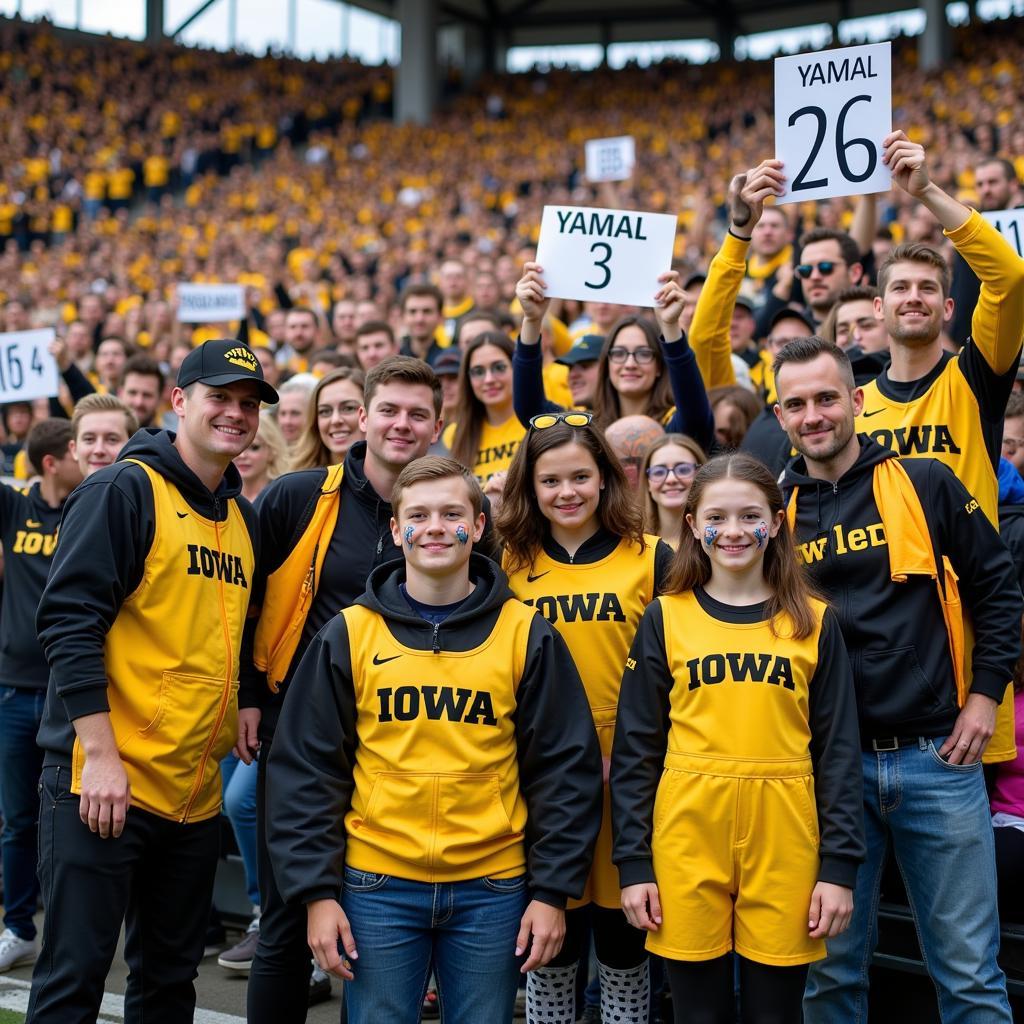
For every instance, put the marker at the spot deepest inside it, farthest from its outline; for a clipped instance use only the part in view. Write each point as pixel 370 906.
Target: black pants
pixel 157 877
pixel 617 943
pixel 279 979
pixel 1009 861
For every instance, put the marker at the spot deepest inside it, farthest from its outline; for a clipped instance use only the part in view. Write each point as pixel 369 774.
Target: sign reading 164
pixel 832 110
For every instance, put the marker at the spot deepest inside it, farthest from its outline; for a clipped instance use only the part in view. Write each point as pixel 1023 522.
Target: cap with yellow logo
pixel 224 361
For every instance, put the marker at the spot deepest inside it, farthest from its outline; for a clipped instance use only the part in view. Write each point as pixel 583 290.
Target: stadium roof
pixel 561 22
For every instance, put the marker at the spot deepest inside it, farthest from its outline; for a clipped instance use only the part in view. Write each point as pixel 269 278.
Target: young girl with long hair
pixel 264 460
pixel 666 472
pixel 735 776
pixel 575 550
pixel 332 419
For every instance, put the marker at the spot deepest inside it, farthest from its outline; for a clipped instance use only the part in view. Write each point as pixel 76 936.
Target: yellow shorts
pixel 736 860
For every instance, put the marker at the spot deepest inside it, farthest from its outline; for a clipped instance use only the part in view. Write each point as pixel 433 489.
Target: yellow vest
pixel 436 772
pixel 172 659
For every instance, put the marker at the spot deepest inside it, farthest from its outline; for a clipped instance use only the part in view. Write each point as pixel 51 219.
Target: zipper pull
pixel 380 544
pixel 435 644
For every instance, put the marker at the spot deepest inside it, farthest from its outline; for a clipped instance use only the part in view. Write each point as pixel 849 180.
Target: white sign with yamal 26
pixel 27 370
pixel 832 110
pixel 599 255
pixel 1010 224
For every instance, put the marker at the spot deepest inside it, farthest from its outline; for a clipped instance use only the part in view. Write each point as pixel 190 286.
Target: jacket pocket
pixel 894 687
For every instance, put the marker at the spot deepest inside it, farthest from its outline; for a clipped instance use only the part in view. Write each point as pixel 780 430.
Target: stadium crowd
pixel 417 381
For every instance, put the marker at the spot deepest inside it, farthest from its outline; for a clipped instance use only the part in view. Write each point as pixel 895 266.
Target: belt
pixel 887 744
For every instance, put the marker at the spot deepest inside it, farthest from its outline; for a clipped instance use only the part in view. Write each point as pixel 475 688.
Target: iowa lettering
pixel 499 451
pixel 740 668
pixel 585 607
pixel 215 564
pixel 28 543
pixel 405 703
pixel 833 71
pixel 919 440
pixel 859 539
pixel 608 225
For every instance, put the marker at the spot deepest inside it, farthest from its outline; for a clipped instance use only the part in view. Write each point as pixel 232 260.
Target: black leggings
pixel 1009 858
pixel 704 992
pixel 616 942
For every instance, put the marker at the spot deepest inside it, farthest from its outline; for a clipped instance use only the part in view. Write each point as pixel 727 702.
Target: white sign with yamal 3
pixel 27 370
pixel 604 255
pixel 1010 224
pixel 210 303
pixel 610 159
pixel 832 111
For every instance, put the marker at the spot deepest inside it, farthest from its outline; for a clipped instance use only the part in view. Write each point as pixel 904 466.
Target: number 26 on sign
pixel 832 110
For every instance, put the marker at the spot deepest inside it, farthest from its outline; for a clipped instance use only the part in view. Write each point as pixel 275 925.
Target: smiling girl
pixel 332 420
pixel 735 777
pixel 668 470
pixel 575 550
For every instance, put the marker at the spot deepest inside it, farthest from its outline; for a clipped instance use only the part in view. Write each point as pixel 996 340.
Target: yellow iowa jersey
pixel 496 448
pixel 436 773
pixel 172 659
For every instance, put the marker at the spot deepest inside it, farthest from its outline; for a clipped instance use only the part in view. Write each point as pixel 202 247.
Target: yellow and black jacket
pixel 142 617
pixel 895 632
pixel 435 753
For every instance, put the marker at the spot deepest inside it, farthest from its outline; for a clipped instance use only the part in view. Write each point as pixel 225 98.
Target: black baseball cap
pixel 448 362
pixel 789 313
pixel 584 350
pixel 224 361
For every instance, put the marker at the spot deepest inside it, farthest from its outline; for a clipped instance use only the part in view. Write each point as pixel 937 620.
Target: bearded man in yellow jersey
pixel 929 402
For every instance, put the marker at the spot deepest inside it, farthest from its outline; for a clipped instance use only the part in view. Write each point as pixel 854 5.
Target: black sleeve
pixel 106 532
pixel 559 769
pixel 78 384
pixel 663 557
pixel 763 319
pixel 964 292
pixel 992 391
pixel 836 757
pixel 987 578
pixel 284 300
pixel 309 776
pixel 693 415
pixel 528 398
pixel 638 753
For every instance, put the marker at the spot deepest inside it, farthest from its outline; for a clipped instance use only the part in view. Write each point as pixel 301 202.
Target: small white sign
pixel 27 370
pixel 602 255
pixel 210 303
pixel 610 159
pixel 832 111
pixel 1010 224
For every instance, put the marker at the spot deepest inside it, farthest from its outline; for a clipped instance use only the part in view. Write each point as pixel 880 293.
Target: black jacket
pixel 314 749
pixel 895 632
pixel 105 536
pixel 361 541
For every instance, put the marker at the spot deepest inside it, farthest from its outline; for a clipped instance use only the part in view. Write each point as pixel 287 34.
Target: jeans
pixel 465 932
pixel 21 762
pixel 239 781
pixel 935 817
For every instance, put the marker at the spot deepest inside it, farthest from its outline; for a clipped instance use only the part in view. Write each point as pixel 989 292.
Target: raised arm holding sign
pixel 832 110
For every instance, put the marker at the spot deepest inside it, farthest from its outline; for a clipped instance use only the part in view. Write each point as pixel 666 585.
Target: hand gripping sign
pixel 832 110
pixel 600 255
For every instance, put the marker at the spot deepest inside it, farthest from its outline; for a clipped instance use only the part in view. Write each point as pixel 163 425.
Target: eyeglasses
pixel 641 356
pixel 825 268
pixel 498 369
pixel 570 419
pixel 681 471
pixel 1011 444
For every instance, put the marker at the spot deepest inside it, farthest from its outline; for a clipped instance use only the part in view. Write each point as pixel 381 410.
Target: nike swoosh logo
pixel 181 515
pixel 32 524
pixel 533 579
pixel 378 660
pixel 874 412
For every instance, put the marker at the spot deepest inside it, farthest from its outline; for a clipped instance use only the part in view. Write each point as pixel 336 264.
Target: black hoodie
pixel 105 536
pixel 314 749
pixel 894 632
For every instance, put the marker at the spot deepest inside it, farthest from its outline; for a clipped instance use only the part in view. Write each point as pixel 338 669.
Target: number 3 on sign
pixel 832 110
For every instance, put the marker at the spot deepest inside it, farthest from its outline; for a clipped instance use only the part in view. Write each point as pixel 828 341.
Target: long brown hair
pixel 607 407
pixel 651 518
pixel 310 450
pixel 691 567
pixel 521 526
pixel 473 412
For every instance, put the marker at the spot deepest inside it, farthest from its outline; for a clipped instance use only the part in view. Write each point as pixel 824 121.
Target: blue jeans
pixel 465 932
pixel 935 817
pixel 239 786
pixel 21 763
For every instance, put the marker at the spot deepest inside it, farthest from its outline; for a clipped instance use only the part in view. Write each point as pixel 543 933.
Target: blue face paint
pixel 761 534
pixel 710 533
pixel 462 534
pixel 408 535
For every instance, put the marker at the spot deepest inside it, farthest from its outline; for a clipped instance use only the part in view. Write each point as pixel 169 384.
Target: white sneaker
pixel 16 951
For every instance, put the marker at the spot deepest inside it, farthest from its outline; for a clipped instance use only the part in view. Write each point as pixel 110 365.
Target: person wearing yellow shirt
pixel 121 184
pixel 94 193
pixel 156 175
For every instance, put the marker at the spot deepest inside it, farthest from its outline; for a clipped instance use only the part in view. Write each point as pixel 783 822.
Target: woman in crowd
pixel 668 469
pixel 575 549
pixel 737 719
pixel 332 420
pixel 291 411
pixel 264 460
pixel 734 408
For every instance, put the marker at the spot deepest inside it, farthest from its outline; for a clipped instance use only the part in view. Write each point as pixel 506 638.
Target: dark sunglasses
pixel 825 268
pixel 570 419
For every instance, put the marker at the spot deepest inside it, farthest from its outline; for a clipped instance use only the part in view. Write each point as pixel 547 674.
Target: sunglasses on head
pixel 825 268
pixel 570 419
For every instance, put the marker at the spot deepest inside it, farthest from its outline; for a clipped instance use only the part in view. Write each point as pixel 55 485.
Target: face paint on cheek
pixel 409 531
pixel 710 533
pixel 461 534
pixel 761 534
